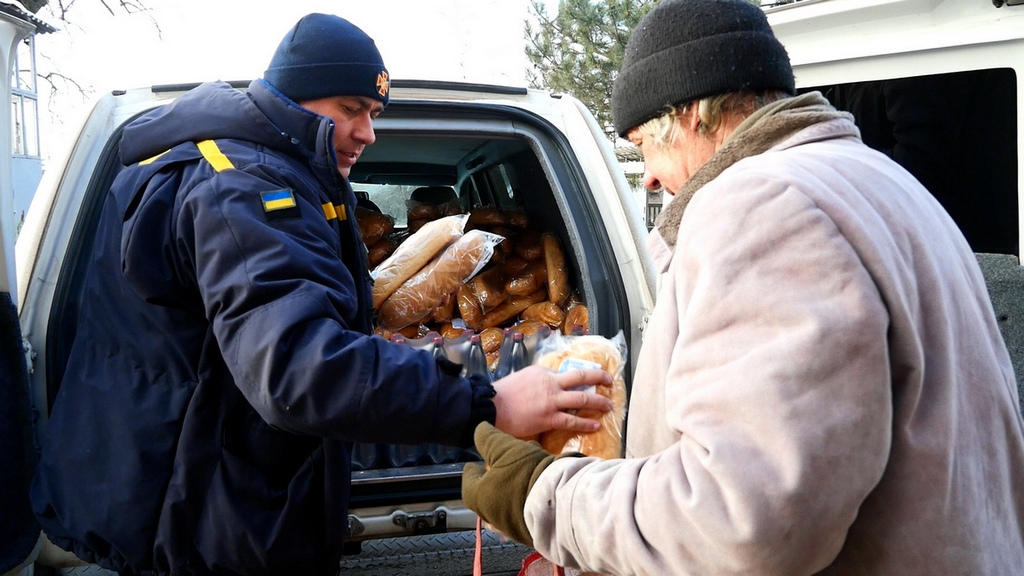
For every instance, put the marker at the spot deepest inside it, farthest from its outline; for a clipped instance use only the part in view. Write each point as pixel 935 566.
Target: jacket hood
pixel 215 110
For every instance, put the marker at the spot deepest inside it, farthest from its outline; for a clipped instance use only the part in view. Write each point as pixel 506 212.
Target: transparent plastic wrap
pixel 561 353
pixel 413 254
pixel 429 288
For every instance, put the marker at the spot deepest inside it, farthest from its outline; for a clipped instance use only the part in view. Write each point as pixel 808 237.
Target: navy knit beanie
pixel 685 50
pixel 325 55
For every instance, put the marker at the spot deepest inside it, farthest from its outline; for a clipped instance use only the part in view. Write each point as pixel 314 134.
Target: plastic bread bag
pixel 413 254
pixel 560 353
pixel 418 296
pixel 557 271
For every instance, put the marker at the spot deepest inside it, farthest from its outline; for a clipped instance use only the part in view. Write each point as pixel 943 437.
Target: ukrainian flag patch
pixel 279 204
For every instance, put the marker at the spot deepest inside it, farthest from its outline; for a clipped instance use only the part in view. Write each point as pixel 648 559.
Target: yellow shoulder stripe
pixel 213 155
pixel 153 159
pixel 332 211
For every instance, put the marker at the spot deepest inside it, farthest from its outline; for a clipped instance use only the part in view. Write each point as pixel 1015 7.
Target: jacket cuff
pixel 481 404
pixel 481 407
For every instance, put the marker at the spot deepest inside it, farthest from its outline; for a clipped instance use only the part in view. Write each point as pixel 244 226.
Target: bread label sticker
pixel 576 364
pixel 579 364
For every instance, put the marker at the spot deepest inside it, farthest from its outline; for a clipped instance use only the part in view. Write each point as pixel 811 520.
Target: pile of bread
pixel 484 271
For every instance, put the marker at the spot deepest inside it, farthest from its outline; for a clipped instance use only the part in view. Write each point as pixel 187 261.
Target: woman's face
pixel 670 166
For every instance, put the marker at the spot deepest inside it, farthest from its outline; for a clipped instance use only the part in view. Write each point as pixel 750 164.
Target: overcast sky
pixel 198 40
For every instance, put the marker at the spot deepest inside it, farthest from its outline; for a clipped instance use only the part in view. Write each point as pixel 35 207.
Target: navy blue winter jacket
pixel 223 364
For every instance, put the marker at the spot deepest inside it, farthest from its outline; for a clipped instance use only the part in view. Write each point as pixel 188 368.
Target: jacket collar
pixel 781 124
pixel 310 134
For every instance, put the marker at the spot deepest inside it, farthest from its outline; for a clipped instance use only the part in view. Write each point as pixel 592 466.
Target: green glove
pixel 498 494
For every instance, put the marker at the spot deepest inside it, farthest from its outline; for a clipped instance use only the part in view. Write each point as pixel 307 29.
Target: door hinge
pixel 30 356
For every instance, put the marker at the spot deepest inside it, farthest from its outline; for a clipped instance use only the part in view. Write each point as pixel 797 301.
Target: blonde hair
pixel 664 129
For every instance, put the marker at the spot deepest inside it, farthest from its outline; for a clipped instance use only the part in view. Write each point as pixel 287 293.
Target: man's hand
pixel 498 492
pixel 535 400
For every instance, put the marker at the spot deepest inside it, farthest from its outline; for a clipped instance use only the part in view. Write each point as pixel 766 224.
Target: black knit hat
pixel 325 55
pixel 685 50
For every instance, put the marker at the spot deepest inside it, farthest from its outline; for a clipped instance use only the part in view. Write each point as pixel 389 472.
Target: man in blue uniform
pixel 223 363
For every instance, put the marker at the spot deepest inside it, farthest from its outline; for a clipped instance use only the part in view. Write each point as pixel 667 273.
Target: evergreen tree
pixel 579 50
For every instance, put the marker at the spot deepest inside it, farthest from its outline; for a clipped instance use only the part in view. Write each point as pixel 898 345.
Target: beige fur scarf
pixel 763 129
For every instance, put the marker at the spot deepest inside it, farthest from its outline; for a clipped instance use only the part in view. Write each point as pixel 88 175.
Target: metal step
pixel 432 555
pixel 448 554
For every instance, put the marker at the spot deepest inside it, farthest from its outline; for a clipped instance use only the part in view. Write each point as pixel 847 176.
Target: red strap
pixel 478 565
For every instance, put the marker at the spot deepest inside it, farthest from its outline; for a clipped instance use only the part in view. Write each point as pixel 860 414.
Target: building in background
pixel 632 162
pixel 26 160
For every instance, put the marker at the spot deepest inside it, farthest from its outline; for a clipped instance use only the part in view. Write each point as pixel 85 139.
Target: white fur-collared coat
pixel 822 388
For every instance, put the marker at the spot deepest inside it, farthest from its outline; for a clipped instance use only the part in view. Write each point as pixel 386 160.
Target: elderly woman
pixel 823 387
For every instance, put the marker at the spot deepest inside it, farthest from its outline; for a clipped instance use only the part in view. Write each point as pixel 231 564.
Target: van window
pixel 957 133
pixel 392 199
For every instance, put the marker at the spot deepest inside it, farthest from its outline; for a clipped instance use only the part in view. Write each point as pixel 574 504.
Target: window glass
pixel 390 198
pixel 31 130
pixel 25 78
pixel 17 129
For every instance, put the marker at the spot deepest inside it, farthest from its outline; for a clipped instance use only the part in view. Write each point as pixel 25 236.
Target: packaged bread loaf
pixel 557 276
pixel 511 308
pixel 529 245
pixel 423 211
pixel 528 280
pixel 373 225
pixel 489 288
pixel 546 312
pixel 380 251
pixel 562 353
pixel 413 254
pixel 470 310
pixel 486 217
pixel 576 317
pixel 417 297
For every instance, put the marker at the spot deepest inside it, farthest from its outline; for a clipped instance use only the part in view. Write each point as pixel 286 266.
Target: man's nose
pixel 364 130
